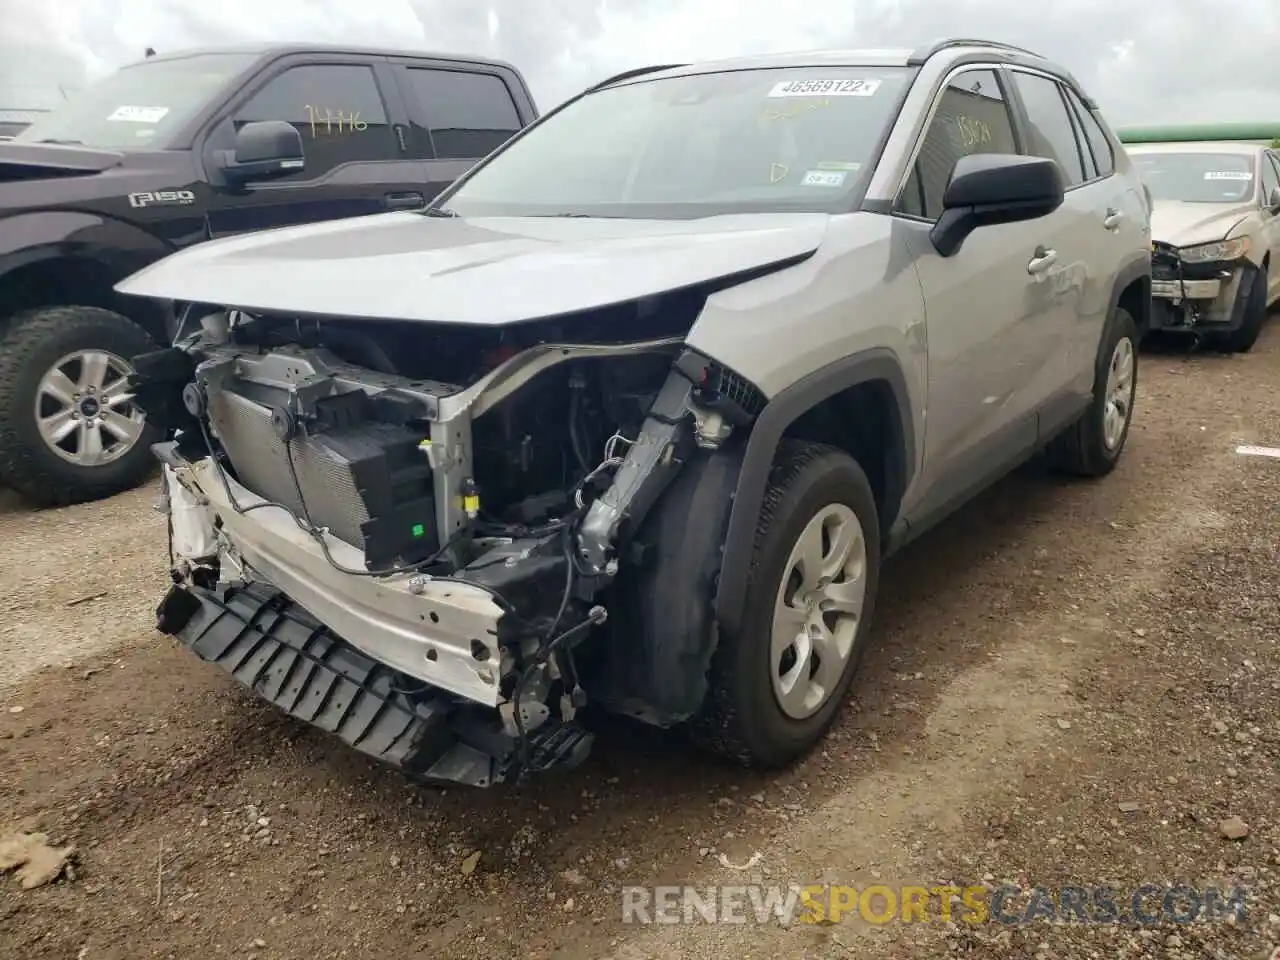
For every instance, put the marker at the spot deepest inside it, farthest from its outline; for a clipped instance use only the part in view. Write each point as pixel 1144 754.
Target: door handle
pixel 1042 261
pixel 1113 218
pixel 404 201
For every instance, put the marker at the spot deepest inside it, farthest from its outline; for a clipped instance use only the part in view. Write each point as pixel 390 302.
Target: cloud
pixel 1179 60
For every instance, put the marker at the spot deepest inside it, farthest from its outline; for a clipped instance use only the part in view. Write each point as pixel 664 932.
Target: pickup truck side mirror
pixel 1273 201
pixel 264 150
pixel 987 189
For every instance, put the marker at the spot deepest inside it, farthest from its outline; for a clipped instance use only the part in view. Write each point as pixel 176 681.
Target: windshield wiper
pixel 65 143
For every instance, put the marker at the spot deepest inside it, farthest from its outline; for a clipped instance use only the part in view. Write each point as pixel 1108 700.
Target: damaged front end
pixel 405 534
pixel 1202 289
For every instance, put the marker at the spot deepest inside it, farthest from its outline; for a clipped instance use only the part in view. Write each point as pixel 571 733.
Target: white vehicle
pixel 1215 231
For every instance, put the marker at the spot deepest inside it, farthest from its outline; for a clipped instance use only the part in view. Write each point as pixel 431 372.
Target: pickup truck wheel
pixel 1091 447
pixel 1242 339
pixel 68 431
pixel 775 690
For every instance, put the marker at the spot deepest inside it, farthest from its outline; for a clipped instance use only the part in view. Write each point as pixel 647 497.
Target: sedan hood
pixel 406 266
pixel 1186 224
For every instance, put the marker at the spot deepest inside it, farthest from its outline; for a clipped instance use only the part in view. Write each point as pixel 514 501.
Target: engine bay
pixel 514 462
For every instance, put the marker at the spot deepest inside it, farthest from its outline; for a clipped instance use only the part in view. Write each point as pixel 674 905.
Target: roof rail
pixel 635 72
pixel 920 55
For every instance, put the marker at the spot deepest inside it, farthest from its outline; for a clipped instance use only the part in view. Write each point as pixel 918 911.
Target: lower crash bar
pixel 284 655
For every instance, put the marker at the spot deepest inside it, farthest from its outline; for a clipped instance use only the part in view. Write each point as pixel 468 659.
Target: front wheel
pixel 69 432
pixel 776 689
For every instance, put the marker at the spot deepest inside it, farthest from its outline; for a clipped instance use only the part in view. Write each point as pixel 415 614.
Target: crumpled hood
pixel 405 266
pixel 1186 224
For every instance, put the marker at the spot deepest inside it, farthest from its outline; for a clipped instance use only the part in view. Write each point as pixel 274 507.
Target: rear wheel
pixel 69 431
pixel 776 689
pixel 1091 447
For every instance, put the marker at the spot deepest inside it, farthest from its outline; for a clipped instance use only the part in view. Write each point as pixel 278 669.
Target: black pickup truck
pixel 175 150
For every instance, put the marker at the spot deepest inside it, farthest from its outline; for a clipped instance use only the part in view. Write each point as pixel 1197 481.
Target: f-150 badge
pixel 149 198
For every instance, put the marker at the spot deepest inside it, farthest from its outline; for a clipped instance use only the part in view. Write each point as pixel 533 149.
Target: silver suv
pixel 632 415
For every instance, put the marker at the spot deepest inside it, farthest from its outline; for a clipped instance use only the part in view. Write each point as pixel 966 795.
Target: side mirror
pixel 264 150
pixel 991 188
pixel 1273 201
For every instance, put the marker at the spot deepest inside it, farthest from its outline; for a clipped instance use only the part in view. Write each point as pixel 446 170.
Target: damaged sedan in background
pixel 1215 231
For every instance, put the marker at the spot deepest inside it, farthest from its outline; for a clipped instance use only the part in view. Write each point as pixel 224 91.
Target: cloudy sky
pixel 1144 61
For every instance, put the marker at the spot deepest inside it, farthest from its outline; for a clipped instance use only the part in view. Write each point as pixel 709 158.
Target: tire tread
pixel 21 340
pixel 719 726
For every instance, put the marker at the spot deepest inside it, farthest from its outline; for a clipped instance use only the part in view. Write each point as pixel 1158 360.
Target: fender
pixel 762 445
pixel 1138 268
pixel 119 246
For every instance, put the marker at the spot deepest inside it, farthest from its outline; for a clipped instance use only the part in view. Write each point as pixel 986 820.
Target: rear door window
pixel 1099 146
pixel 469 113
pixel 1050 131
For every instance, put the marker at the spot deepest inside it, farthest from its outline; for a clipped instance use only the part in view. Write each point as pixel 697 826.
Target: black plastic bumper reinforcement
pixel 284 655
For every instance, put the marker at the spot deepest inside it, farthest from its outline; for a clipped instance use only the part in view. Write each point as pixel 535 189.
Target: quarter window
pixel 337 110
pixel 972 117
pixel 1050 132
pixel 469 114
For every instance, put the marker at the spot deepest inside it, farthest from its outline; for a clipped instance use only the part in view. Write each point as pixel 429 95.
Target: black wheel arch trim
pixel 779 413
pixel 1135 270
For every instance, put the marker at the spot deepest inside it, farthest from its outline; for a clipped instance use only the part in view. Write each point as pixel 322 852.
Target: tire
pixel 1242 339
pixel 743 717
pixel 38 342
pixel 1087 448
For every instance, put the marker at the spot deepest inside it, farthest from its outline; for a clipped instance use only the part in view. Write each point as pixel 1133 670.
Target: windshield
pixel 734 142
pixel 1197 177
pixel 139 107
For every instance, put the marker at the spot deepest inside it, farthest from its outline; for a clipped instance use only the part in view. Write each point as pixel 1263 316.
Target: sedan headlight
pixel 1213 252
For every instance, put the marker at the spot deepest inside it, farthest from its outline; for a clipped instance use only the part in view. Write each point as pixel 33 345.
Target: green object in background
pixel 1174 133
pixel 419 530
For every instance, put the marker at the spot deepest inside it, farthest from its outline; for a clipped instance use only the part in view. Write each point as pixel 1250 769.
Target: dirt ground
pixel 1071 683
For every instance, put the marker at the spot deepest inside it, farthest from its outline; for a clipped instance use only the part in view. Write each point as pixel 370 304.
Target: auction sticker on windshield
pixel 823 178
pixel 1228 175
pixel 824 88
pixel 129 114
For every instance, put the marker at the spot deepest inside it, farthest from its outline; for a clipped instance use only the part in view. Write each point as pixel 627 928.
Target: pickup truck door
pixel 458 113
pixel 989 307
pixel 352 121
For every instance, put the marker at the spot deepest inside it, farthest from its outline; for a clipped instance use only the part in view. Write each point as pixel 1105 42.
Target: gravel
pixel 1071 684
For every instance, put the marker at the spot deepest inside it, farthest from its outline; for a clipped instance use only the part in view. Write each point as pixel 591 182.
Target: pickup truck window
pixel 337 109
pixel 469 114
pixel 794 139
pixel 972 117
pixel 139 107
